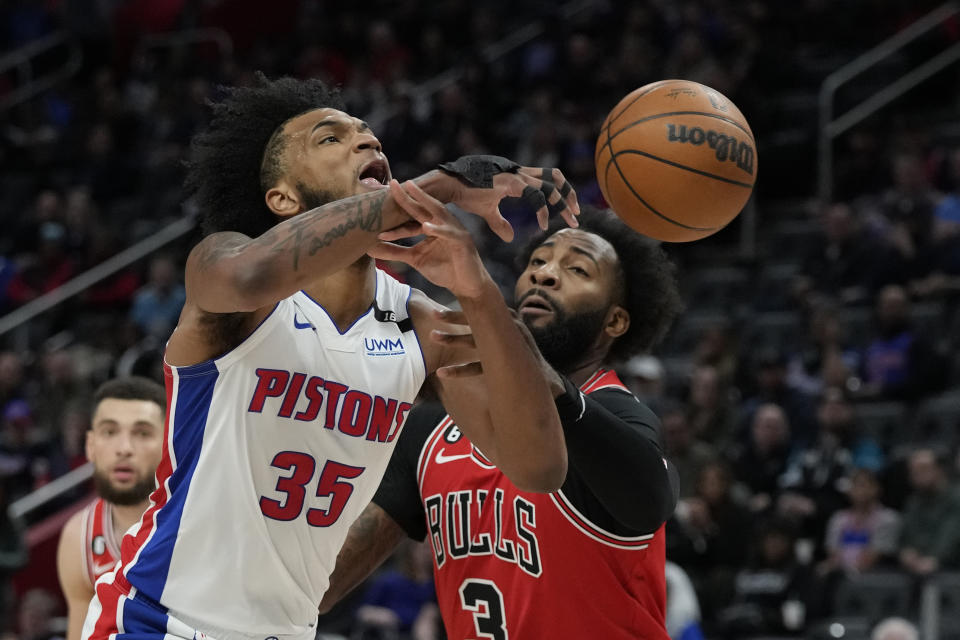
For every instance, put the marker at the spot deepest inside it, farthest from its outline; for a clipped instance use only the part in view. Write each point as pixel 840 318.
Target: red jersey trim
pixel 603 379
pixel 98 522
pixel 578 520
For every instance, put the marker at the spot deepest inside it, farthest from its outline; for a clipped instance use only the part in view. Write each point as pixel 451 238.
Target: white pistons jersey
pixel 271 452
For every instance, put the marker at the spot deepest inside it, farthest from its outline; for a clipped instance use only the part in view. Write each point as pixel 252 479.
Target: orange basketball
pixel 676 160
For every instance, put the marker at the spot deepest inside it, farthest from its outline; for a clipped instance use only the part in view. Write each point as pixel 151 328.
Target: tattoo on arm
pixel 217 247
pixel 300 236
pixel 373 536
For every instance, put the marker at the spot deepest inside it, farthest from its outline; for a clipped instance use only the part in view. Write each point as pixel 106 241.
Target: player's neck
pixel 125 516
pixel 348 293
pixel 582 371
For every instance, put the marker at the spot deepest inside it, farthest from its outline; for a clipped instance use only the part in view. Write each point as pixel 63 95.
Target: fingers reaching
pixel 389 251
pixel 453 339
pixel 406 230
pixel 450 316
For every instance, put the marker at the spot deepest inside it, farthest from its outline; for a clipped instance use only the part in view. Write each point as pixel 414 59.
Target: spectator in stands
pixel 12 382
pixel 940 273
pixel 709 409
pixel 864 535
pixel 397 600
pixel 706 536
pixel 770 594
pixel 156 306
pixel 13 553
pixel 646 378
pixel 59 386
pixel 846 262
pixel 823 359
pixel 689 454
pixel 760 462
pixel 816 481
pixel 43 272
pixel 36 616
pixel 770 366
pixel 717 347
pixel 683 608
pixel 895 629
pixel 907 210
pixel 930 539
pixel 900 363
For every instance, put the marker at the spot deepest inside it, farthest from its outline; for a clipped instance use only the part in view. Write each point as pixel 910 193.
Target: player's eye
pixel 536 262
pixel 328 139
pixel 579 270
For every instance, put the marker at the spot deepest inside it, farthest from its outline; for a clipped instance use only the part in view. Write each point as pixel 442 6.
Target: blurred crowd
pixel 805 393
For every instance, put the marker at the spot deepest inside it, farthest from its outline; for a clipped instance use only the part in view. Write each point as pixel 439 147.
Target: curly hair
pixel 239 154
pixel 646 282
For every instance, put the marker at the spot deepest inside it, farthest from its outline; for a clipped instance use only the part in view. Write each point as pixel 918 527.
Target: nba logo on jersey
pixel 383 346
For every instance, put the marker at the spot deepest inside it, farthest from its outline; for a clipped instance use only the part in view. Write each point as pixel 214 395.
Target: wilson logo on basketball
pixel 725 147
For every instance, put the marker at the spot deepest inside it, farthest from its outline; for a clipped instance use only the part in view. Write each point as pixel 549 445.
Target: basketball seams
pixel 672 163
pixel 608 122
pixel 623 178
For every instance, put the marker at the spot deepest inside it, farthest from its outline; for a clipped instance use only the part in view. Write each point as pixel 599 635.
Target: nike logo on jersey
pixel 100 569
pixel 440 459
pixel 301 325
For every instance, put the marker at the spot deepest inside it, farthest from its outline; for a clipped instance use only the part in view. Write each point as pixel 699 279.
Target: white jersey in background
pixel 271 452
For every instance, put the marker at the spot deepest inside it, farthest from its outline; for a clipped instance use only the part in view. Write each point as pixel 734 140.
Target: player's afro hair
pixel 238 156
pixel 647 280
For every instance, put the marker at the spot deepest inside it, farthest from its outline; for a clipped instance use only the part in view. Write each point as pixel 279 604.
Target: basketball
pixel 676 160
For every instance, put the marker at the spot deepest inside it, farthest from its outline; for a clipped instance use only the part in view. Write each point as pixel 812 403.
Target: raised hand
pixel 483 181
pixel 446 256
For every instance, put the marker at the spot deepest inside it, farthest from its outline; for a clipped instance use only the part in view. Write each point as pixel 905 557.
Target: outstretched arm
pixel 371 540
pixel 515 421
pixel 229 272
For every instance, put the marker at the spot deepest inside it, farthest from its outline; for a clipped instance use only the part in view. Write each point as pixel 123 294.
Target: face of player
pixel 124 443
pixel 329 155
pixel 565 296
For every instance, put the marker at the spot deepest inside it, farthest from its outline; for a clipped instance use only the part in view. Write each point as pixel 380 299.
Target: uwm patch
pixel 383 346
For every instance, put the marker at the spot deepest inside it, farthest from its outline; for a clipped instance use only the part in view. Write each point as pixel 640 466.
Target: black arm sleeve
pixel 618 476
pixel 399 493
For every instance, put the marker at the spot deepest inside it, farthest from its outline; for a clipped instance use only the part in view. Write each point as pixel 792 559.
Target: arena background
pixel 821 332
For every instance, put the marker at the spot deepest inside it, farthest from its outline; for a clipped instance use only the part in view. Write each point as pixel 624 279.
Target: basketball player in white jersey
pixel 295 362
pixel 123 443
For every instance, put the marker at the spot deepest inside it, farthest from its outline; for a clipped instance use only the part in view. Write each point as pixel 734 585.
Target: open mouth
pixel 374 174
pixel 122 472
pixel 535 305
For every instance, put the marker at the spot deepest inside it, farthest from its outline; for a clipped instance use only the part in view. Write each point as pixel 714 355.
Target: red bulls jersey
pixel 100 546
pixel 515 565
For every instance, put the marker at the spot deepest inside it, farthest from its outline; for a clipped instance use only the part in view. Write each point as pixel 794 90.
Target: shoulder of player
pixel 623 403
pixel 420 423
pixel 70 561
pixel 73 528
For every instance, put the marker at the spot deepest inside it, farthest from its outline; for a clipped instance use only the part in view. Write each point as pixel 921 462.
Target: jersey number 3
pixel 484 600
pixel 332 484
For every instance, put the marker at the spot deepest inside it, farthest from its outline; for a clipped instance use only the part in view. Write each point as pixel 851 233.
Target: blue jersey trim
pixel 193 398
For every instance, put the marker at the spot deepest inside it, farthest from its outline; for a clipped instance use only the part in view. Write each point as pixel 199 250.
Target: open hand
pixel 446 256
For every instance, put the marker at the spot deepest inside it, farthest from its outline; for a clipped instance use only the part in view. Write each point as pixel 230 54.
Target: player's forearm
pixel 371 540
pixel 228 272
pixel 526 433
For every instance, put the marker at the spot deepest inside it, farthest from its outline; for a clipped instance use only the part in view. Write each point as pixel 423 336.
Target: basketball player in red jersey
pixel 124 444
pixel 586 561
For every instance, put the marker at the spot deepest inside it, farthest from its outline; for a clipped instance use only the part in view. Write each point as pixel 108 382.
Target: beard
pixel 313 198
pixel 123 497
pixel 565 340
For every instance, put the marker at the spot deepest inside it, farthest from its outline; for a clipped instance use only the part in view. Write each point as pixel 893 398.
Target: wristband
pixel 478 171
pixel 571 404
